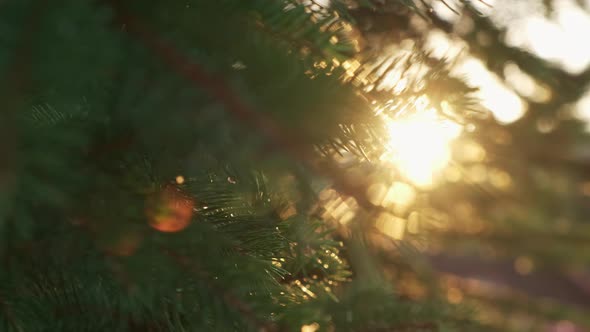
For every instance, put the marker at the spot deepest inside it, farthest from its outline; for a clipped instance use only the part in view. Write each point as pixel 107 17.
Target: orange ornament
pixel 170 210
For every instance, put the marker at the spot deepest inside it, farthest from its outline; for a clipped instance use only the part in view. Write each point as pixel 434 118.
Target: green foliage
pixel 103 126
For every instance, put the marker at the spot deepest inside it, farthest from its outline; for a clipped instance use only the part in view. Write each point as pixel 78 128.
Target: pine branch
pixel 218 89
pixel 231 300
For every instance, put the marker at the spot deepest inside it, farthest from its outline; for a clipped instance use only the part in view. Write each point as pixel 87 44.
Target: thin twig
pixel 449 7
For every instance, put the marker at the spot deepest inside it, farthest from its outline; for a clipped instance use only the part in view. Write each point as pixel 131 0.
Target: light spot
pixel 565 326
pixel 524 265
pixel 391 225
pixel 400 193
pixel 376 193
pixel 477 173
pixel 170 210
pixel 525 85
pixel 453 174
pixel 313 327
pixel 585 188
pixel 287 212
pixel 470 151
pixel 504 104
pixel 414 223
pixel 546 125
pixel 454 295
pixel 555 39
pixel 440 45
pixel 499 179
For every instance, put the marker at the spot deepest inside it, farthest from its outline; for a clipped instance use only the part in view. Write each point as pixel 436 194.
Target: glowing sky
pixel 419 144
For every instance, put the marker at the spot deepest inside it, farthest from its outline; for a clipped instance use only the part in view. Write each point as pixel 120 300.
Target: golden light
pixel 310 328
pixel 454 295
pixel 419 144
pixel 391 225
pixel 494 94
pixel 554 38
pixel 523 265
pixel 505 105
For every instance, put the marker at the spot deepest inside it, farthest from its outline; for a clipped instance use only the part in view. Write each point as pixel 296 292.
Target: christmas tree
pixel 288 165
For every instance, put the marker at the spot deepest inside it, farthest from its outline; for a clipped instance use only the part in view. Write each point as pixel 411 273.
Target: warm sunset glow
pixel 419 145
pixel 554 38
pixel 495 94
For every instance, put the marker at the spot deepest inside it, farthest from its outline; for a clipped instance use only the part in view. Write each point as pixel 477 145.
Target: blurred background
pixel 498 196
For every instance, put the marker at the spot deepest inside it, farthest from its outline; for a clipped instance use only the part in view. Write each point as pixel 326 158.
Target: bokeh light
pixel 169 210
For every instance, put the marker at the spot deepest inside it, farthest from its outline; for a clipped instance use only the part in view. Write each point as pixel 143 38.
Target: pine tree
pixel 218 166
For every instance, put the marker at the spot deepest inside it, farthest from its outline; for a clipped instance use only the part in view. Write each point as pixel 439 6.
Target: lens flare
pixel 169 210
pixel 419 144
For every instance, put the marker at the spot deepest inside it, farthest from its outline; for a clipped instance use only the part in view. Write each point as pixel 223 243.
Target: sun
pixel 419 144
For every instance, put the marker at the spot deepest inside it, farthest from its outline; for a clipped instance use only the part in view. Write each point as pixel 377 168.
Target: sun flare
pixel 419 144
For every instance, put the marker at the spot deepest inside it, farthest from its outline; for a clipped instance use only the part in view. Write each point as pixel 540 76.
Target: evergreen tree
pixel 225 166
